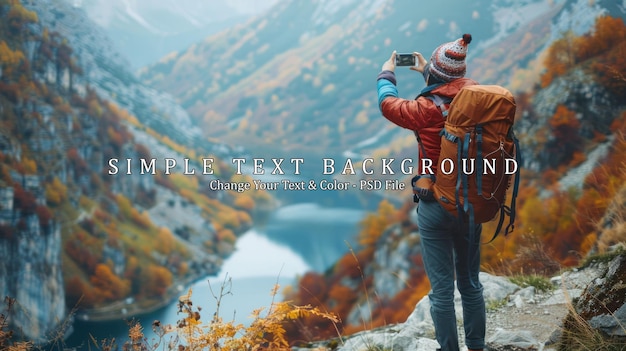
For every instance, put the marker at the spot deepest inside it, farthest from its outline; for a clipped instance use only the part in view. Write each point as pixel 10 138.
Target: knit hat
pixel 448 60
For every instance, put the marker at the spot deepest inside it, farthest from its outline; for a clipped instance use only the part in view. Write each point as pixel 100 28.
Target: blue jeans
pixel 445 250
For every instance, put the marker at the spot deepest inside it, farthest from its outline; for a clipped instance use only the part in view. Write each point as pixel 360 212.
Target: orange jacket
pixel 421 114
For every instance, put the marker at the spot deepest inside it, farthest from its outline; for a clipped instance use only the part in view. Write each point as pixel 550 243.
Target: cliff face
pixel 73 235
pixel 107 71
pixel 31 266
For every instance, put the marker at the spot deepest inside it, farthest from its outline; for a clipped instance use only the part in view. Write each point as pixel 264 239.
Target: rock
pixel 495 288
pixel 387 339
pixel 518 301
pixel 533 322
pixel 513 341
pixel 611 324
pixel 602 304
pixel 31 273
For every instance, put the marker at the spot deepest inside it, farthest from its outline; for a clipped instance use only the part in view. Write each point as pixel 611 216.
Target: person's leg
pixel 468 268
pixel 437 254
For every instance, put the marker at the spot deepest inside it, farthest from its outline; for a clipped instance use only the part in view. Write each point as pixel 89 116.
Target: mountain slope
pixel 146 31
pixel 302 75
pixel 301 78
pixel 76 232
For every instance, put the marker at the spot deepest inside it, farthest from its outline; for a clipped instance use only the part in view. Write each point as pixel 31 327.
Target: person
pixel 444 238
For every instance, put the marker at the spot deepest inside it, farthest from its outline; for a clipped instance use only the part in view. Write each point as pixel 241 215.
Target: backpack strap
pixel 506 210
pixel 440 102
pixel 518 157
pixel 479 159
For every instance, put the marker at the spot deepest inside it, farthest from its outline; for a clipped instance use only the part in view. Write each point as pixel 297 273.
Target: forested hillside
pixel 73 235
pixel 300 80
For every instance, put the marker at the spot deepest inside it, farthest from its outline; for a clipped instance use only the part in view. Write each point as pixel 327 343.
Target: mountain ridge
pixel 146 31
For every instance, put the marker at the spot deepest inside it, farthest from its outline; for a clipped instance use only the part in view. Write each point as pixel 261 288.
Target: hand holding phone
pixel 405 60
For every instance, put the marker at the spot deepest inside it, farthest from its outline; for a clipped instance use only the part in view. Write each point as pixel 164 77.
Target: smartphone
pixel 405 60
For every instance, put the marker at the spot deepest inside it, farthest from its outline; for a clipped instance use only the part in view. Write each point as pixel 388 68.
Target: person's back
pixel 421 115
pixel 444 238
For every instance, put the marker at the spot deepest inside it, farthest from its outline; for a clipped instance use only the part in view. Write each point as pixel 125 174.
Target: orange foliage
pixel 610 70
pixel 564 117
pixel 244 218
pixel 18 16
pixel 312 289
pixel 564 225
pixel 165 241
pixel 115 137
pixel 142 219
pixel 9 59
pixel 341 299
pixel 244 202
pixel 78 252
pixel 605 44
pixel 347 267
pixel 155 281
pixel 228 219
pixel 109 286
pixel 375 224
pixel 27 166
pixel 226 235
pixel 608 33
pixel 56 192
pixel 565 128
pixel 559 60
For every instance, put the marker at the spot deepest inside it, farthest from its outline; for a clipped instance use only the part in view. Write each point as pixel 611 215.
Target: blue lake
pixel 298 237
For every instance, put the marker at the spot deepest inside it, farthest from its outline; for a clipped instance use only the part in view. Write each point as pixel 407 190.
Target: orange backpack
pixel 479 156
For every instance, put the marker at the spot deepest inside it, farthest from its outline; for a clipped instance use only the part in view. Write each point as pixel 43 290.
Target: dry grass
pixel 612 227
pixel 6 335
pixel 579 335
pixel 192 332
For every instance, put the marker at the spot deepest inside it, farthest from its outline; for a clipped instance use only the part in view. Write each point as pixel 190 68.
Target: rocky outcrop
pixel 31 267
pixel 602 304
pixel 518 318
pixel 390 270
pixel 578 92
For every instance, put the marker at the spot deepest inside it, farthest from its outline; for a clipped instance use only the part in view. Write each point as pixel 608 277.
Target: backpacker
pixel 479 156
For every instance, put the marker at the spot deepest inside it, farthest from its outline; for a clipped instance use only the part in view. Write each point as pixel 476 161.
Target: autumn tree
pixel 9 59
pixel 565 126
pixel 605 45
pixel 559 60
pixel 109 286
pixel 374 224
pixel 155 280
pixel 18 16
pixel 56 192
pixel 165 241
pixel 607 33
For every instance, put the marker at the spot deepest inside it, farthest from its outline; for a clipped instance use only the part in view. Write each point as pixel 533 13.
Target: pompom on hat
pixel 448 60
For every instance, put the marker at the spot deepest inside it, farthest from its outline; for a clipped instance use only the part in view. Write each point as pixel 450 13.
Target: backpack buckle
pixel 423 187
